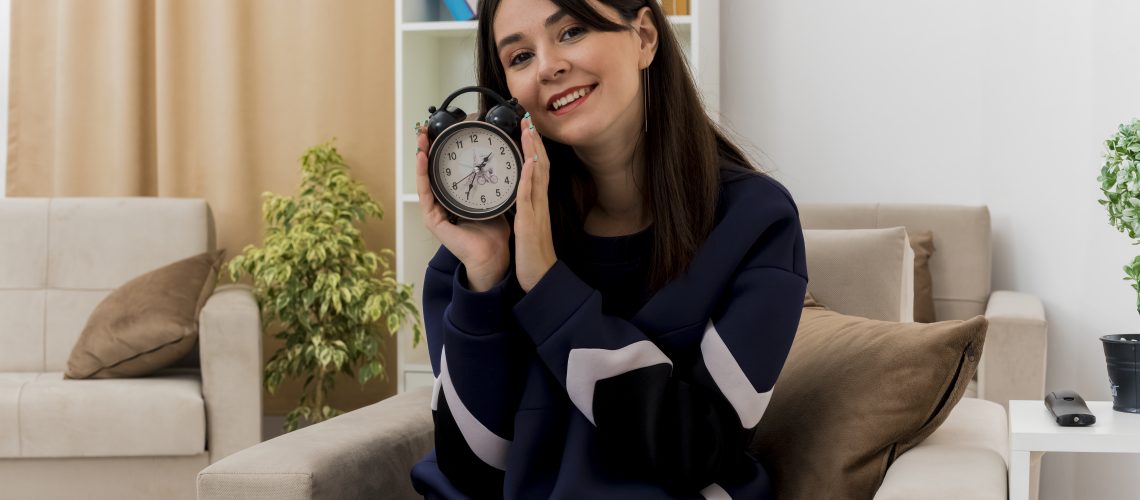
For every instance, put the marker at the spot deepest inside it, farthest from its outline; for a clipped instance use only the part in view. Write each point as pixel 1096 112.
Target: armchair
pixel 368 453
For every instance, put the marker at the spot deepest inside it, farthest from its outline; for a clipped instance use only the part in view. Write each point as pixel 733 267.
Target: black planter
pixel 1122 354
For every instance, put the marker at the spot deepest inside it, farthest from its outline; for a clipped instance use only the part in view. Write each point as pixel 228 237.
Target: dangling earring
pixel 645 95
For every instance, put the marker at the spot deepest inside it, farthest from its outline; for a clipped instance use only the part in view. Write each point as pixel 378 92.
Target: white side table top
pixel 1033 428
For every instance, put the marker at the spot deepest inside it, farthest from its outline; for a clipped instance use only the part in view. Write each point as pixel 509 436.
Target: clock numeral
pixel 454 186
pixel 459 144
pixel 508 179
pixel 498 194
pixel 474 138
pixel 483 198
pixel 508 165
pixel 502 150
pixel 447 172
pixel 451 156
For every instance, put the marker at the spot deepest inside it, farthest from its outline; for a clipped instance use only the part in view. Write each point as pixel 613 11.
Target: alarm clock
pixel 475 162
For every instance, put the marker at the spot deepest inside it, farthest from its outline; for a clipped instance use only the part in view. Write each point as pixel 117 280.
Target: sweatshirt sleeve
pixel 676 418
pixel 478 376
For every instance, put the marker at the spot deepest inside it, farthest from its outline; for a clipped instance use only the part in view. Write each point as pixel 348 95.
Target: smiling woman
pixel 621 333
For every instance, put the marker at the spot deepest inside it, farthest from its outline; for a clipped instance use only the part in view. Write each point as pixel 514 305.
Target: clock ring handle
pixel 505 114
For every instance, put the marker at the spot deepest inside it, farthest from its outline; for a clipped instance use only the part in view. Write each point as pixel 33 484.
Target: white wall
pixel 1002 103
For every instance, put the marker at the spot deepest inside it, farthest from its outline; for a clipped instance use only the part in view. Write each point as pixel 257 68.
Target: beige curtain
pixel 204 98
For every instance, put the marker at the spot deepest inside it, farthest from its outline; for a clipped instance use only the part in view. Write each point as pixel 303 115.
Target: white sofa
pixel 114 438
pixel 368 453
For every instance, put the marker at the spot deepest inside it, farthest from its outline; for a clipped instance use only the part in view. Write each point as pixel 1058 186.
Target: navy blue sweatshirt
pixel 586 387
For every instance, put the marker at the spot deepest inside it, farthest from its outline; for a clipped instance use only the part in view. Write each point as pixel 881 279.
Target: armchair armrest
pixel 1013 359
pixel 367 453
pixel 229 342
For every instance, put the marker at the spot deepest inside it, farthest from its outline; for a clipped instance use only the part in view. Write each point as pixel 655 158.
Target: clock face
pixel 474 170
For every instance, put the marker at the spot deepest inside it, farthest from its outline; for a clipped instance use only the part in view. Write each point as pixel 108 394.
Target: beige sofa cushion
pixel 44 415
pixel 101 243
pixel 855 393
pixel 862 272
pixel 60 256
pixel 23 275
pixel 10 384
pixel 148 323
pixel 22 338
pixel 23 243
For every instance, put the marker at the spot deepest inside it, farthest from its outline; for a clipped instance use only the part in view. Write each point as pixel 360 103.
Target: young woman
pixel 620 337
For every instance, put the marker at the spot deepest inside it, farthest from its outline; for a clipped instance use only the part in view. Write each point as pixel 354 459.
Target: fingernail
pixel 418 150
pixel 417 129
pixel 526 115
pixel 536 157
pixel 532 126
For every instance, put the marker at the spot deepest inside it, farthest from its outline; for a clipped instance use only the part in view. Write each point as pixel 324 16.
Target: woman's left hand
pixel 534 245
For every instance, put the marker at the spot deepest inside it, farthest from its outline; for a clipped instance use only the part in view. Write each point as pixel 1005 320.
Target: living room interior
pixel 984 123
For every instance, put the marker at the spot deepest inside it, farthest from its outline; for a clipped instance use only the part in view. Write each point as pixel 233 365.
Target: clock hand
pixel 483 163
pixel 464 179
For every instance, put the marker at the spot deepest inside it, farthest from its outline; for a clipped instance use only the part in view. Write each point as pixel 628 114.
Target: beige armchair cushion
pixel 960 269
pixel 972 443
pixel 855 393
pixel 922 242
pixel 148 323
pixel 366 453
pixel 862 272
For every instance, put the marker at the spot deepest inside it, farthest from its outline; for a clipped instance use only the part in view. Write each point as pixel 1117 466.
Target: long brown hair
pixel 682 149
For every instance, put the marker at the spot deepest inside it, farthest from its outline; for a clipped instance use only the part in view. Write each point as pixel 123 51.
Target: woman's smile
pixel 572 101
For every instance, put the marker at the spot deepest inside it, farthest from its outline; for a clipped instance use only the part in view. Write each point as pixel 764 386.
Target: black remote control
pixel 1069 408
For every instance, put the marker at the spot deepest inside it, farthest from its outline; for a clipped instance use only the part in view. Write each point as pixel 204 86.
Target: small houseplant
pixel 317 284
pixel 1120 182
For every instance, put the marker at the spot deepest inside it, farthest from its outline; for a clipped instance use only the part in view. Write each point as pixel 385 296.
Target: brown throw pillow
pixel 147 323
pixel 923 245
pixel 855 393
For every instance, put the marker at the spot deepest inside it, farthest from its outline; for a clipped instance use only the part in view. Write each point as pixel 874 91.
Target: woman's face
pixel 550 58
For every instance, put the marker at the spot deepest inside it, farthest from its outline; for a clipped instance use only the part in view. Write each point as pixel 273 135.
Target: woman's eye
pixel 519 59
pixel 570 33
pixel 573 32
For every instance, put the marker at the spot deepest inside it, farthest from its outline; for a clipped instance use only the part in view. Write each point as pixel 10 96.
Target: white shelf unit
pixel 433 59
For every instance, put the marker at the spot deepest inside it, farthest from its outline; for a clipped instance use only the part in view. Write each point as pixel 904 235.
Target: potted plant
pixel 317 285
pixel 1120 182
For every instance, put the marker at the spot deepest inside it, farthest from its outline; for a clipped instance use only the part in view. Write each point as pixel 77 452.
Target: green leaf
pixel 317 285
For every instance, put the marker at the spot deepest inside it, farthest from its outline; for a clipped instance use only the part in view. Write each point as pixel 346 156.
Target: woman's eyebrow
pixel 515 37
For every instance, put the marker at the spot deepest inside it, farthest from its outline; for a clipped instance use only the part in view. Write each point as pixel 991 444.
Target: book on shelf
pixel 675 7
pixel 461 10
pixel 464 10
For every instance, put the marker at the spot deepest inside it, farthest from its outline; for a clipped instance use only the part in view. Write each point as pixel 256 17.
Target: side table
pixel 1033 428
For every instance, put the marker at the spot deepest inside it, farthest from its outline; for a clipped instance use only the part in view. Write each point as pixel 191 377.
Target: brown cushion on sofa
pixel 855 393
pixel 923 245
pixel 147 323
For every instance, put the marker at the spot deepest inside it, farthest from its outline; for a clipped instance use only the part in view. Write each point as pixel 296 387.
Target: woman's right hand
pixel 482 246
